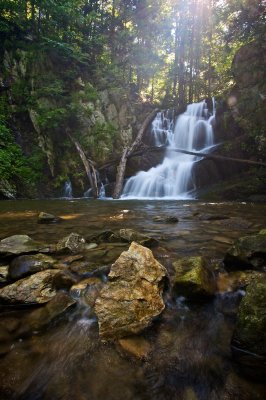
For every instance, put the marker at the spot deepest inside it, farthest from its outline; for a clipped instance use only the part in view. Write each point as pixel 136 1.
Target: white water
pixel 173 178
pixel 67 190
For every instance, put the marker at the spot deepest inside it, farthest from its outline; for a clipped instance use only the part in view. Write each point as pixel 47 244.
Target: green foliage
pixel 50 118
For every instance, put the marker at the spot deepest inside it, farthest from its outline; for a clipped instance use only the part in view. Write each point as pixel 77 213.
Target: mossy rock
pixel 250 332
pixel 246 253
pixel 193 278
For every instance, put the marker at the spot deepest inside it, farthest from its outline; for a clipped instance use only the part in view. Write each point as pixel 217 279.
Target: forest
pixel 164 54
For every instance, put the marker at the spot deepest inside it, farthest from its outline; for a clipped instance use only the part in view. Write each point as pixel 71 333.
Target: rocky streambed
pixel 167 302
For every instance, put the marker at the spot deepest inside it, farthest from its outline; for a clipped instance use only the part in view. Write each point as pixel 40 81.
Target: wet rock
pixel 37 288
pixel 64 280
pixel 249 340
pixel 45 218
pixel 88 290
pixel 132 298
pixel 3 273
pixel 262 232
pixel 21 244
pixel 235 223
pixel 247 252
pixel 70 259
pixel 104 237
pixel 30 264
pixel 212 217
pixel 90 246
pixel 73 243
pixel 193 278
pixel 237 279
pixel 222 239
pixel 133 236
pixel 43 316
pixel 136 346
pixel 167 220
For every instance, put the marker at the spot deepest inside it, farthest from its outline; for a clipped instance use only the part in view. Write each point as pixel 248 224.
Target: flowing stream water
pixel 173 179
pixel 190 357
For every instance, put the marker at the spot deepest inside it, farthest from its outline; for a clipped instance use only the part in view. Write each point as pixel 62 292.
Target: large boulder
pixel 246 253
pixel 249 340
pixel 21 244
pixel 30 264
pixel 37 288
pixel 132 298
pixel 193 278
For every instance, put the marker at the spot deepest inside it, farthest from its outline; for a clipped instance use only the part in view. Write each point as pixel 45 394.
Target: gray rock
pixel 132 298
pixel 21 244
pixel 37 288
pixel 30 264
pixel 73 243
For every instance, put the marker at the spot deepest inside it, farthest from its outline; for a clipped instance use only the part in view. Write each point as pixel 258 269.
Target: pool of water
pixel 190 355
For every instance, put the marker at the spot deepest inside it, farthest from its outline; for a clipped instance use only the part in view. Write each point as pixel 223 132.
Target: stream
pixel 190 356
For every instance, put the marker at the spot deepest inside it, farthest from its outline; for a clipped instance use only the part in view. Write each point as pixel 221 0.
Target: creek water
pixel 190 357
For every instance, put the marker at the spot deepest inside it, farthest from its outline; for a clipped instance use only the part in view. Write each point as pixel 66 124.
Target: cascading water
pixel 67 193
pixel 173 178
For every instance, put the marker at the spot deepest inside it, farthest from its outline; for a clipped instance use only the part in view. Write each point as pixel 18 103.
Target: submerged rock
pixel 136 346
pixel 30 264
pixel 193 278
pixel 133 236
pixel 249 340
pixel 104 237
pixel 73 243
pixel 167 220
pixel 43 316
pixel 132 298
pixel 37 288
pixel 87 290
pixel 21 244
pixel 45 218
pixel 247 252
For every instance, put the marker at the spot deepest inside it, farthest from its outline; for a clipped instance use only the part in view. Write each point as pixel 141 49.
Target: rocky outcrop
pixel 72 243
pixel 249 340
pixel 246 253
pixel 37 288
pixel 132 298
pixel 193 278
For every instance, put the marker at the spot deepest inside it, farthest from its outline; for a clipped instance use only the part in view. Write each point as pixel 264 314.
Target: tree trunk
pixel 89 167
pixel 127 153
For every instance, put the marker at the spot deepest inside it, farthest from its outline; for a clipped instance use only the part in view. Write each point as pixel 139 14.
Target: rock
pixel 90 246
pixel 167 220
pixel 193 278
pixel 104 237
pixel 249 340
pixel 136 346
pixel 45 218
pixel 64 280
pixel 43 316
pixel 73 243
pixel 37 288
pixel 237 280
pixel 30 264
pixel 21 244
pixel 246 253
pixel 222 239
pixel 88 290
pixel 262 232
pixel 212 217
pixel 3 273
pixel 133 236
pixel 132 297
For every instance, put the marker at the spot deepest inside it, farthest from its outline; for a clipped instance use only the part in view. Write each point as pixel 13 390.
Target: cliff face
pixel 240 127
pixel 48 95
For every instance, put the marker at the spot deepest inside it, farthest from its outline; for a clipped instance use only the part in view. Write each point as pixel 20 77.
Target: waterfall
pixel 102 195
pixel 173 178
pixel 67 191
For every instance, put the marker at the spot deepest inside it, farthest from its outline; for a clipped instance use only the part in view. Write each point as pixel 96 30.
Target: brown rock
pixel 133 296
pixel 136 346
